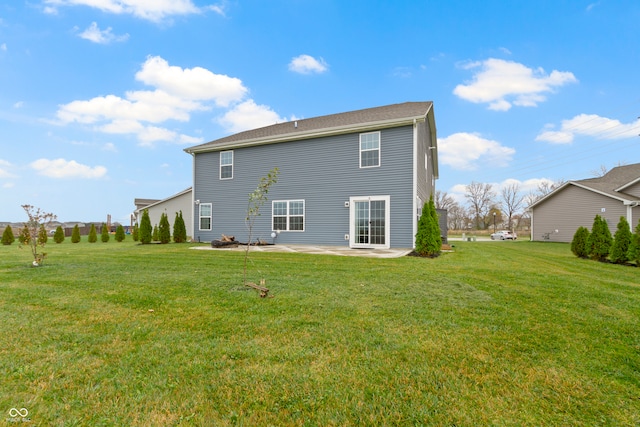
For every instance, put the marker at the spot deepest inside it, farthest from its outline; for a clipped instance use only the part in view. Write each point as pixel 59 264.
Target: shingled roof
pixel 611 184
pixel 352 121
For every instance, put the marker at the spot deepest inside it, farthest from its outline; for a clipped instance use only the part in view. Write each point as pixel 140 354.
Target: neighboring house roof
pixel 352 121
pixel 157 202
pixel 141 203
pixel 611 184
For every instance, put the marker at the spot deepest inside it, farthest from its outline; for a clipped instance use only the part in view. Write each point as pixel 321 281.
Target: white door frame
pixel 353 243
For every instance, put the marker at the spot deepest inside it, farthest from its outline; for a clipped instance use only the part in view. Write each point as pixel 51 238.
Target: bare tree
pixel 257 198
pixel 511 201
pixel 443 200
pixel 37 219
pixel 546 187
pixel 603 170
pixel 480 197
pixel 457 217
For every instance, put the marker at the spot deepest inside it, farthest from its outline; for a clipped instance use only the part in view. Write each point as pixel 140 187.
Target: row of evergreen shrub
pixel 161 232
pixel 145 233
pixel 598 244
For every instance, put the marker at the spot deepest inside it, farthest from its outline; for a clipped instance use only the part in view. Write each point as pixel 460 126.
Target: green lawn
pixel 502 333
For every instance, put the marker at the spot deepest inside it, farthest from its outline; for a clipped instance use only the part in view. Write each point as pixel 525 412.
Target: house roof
pixel 157 202
pixel 353 121
pixel 611 184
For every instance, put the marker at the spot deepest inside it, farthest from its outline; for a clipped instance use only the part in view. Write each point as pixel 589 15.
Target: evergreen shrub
pixel 58 236
pixel 7 236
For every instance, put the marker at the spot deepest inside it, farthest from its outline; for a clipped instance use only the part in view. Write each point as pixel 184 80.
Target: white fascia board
pixel 629 184
pixel 434 142
pixel 316 133
pixel 165 200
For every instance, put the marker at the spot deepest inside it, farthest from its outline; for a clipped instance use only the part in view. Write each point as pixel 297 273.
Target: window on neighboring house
pixel 288 215
pixel 226 164
pixel 205 216
pixel 369 149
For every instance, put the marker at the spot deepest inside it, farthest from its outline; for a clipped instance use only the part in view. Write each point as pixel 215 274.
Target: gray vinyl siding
pixel 424 172
pixel 571 208
pixel 634 190
pixel 324 172
pixel 170 207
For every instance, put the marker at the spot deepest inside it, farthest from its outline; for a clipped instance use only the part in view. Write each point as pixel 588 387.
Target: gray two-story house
pixel 356 179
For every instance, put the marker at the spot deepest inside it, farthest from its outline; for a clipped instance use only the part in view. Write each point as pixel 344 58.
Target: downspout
pixel 630 206
pixel 193 196
pixel 414 213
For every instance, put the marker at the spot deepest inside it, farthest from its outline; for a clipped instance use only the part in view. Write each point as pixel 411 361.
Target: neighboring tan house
pixel 557 216
pixel 181 201
pixel 356 179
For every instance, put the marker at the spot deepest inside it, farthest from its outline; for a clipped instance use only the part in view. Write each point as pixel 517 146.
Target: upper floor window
pixel 288 215
pixel 369 149
pixel 226 164
pixel 205 216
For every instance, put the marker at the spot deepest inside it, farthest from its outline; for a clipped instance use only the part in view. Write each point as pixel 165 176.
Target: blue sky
pixel 98 98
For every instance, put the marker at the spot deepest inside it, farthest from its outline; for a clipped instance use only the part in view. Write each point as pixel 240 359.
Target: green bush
pixel 179 229
pixel 634 247
pixel 579 243
pixel 58 236
pixel 42 235
pixel 104 233
pixel 93 235
pixel 120 233
pixel 75 234
pixel 428 239
pixel 155 236
pixel 24 236
pixel 7 236
pixel 135 233
pixel 600 239
pixel 164 229
pixel 619 253
pixel 146 230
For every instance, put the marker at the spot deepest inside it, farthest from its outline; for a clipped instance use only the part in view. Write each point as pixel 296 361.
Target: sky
pixel 99 98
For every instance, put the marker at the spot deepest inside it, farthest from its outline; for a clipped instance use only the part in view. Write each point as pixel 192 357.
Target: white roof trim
pixel 584 187
pixel 182 193
pixel 360 127
pixel 629 184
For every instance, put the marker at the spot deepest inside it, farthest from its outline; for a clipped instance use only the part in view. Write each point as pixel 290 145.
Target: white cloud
pixel 179 92
pixel 110 146
pixel 4 169
pixel 151 10
pixel 503 84
pixel 469 151
pixel 249 115
pixel 96 35
pixel 61 168
pixel 195 83
pixel 306 64
pixel 589 125
pixel 8 185
pixel 3 47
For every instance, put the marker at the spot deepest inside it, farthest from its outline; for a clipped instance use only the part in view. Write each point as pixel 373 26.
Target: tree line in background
pixel 487 208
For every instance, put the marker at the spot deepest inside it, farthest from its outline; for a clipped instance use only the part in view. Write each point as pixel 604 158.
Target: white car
pixel 503 235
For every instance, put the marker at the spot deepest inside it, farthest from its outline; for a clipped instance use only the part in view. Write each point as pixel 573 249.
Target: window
pixel 288 215
pixel 226 164
pixel 205 216
pixel 369 149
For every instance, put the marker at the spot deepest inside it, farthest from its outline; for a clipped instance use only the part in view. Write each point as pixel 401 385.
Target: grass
pixel 503 333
